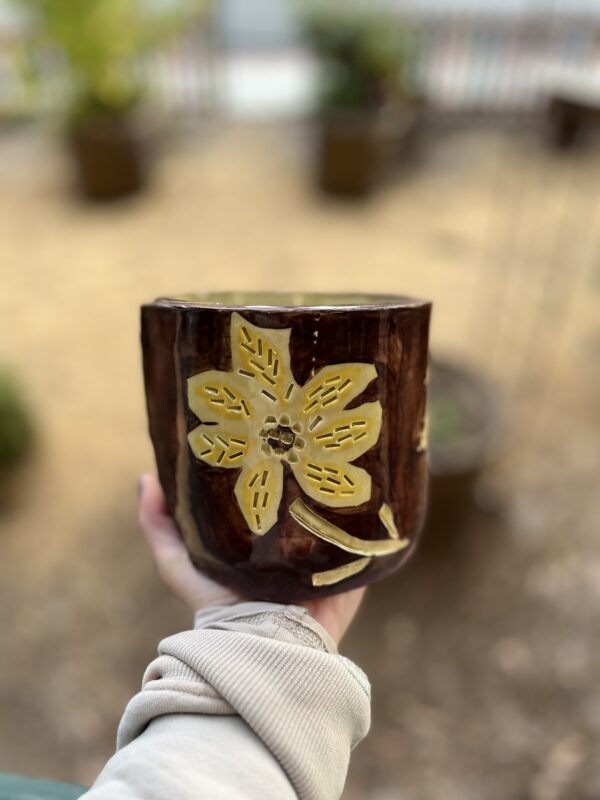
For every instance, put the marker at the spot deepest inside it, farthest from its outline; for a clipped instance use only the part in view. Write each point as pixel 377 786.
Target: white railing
pixel 482 62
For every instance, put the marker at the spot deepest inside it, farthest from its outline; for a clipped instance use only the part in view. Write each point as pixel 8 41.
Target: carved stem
pixel 331 533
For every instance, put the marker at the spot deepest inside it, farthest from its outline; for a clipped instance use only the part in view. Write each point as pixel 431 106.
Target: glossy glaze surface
pixel 290 440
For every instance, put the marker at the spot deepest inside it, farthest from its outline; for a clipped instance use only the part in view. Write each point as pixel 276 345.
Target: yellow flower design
pixel 257 418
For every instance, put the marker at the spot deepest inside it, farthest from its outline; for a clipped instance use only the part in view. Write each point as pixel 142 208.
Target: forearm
pixel 254 703
pixel 191 756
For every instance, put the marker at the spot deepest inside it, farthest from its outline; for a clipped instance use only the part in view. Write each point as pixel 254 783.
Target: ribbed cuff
pixel 286 623
pixel 279 670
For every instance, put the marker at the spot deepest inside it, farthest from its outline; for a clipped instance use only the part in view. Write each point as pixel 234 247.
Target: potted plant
pixel 368 102
pixel 464 423
pixel 97 47
pixel 16 430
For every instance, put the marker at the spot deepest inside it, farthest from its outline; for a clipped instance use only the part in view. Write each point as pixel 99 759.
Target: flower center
pixel 280 438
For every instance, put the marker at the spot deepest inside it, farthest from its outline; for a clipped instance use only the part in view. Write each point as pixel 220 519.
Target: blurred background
pixel 447 149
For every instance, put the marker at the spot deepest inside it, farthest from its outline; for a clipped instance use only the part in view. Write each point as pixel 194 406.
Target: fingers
pixel 336 613
pixel 170 554
pixel 196 590
pixel 159 528
pixel 156 523
pixel 349 604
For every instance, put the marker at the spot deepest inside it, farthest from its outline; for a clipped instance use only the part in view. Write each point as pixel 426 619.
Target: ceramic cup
pixel 290 436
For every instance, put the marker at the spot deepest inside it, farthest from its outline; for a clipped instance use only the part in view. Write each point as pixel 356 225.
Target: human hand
pixel 176 570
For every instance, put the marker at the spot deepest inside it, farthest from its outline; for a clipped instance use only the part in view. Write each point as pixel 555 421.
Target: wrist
pixel 291 623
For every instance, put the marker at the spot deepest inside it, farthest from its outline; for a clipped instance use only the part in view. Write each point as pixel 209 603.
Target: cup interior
pixel 292 300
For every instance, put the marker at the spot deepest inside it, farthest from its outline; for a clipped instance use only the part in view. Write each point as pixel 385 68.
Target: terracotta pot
pixel 288 433
pixel 109 157
pixel 356 150
pixel 350 153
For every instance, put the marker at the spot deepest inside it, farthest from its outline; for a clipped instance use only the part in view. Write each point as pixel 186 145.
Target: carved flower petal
pixel 332 388
pixel 226 445
pixel 336 485
pixel 346 435
pixel 215 396
pixel 261 356
pixel 258 491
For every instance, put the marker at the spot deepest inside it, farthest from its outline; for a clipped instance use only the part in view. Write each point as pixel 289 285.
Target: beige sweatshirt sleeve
pixel 255 702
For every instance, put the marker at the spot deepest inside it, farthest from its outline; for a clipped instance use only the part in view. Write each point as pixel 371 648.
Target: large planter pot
pixel 288 433
pixel 109 158
pixel 356 150
pixel 349 154
pixel 465 421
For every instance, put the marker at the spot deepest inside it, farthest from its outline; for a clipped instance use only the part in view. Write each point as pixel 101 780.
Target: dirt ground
pixel 483 654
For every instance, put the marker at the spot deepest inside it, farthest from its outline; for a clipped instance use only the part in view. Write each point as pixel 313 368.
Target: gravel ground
pixel 482 654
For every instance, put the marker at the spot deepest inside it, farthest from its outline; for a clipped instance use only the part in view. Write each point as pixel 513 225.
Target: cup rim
pixel 290 301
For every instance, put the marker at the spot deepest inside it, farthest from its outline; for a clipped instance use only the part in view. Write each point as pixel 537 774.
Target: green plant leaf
pixel 98 45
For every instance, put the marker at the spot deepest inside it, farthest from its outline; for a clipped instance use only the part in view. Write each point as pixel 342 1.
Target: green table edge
pixel 16 787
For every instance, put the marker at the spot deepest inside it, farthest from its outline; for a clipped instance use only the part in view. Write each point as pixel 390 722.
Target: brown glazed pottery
pixel 289 433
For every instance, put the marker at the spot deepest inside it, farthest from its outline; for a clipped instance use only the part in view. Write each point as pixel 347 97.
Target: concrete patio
pixel 485 662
